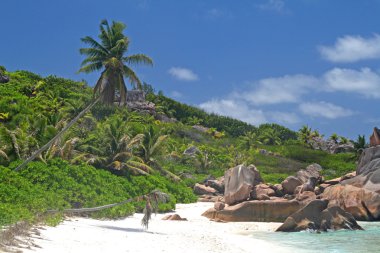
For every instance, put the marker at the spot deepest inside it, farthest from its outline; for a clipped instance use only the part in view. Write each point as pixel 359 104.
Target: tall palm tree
pixel 109 55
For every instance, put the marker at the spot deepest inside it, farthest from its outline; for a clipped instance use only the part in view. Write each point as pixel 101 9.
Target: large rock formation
pixel 136 101
pixel 361 203
pixel 276 210
pixel 331 146
pixel 304 179
pixel 360 195
pixel 368 171
pixel 318 216
pixel 239 182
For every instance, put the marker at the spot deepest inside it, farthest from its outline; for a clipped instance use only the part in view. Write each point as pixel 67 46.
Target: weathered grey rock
pixel 309 185
pixel 216 184
pixel 191 151
pixel 317 216
pixel 4 78
pixel 201 189
pixel 200 128
pixel 276 210
pixel 313 170
pixel 369 155
pixel 164 118
pixel 239 182
pixel 290 184
pixel 368 171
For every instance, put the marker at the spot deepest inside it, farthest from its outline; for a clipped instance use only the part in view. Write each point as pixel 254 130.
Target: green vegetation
pixel 112 153
pixel 103 153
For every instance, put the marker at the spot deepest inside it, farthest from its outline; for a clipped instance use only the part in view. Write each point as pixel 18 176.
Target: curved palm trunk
pixel 58 135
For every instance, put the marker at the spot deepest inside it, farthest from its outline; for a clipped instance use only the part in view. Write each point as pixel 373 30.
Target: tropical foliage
pixel 113 153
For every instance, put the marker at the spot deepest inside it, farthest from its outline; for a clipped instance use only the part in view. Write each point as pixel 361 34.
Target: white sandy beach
pixel 198 234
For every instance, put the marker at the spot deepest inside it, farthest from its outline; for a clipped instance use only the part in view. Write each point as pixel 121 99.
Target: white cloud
pixel 273 5
pixel 324 110
pixel 234 109
pixel 285 117
pixel 364 81
pixel 352 49
pixel 183 74
pixel 286 89
pixel 176 94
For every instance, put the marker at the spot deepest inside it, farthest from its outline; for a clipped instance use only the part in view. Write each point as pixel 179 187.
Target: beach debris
pixel 174 217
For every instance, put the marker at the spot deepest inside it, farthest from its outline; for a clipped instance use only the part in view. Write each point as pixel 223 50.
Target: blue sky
pixel 292 62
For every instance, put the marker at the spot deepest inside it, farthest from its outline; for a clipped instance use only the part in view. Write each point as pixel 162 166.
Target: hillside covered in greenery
pixel 113 153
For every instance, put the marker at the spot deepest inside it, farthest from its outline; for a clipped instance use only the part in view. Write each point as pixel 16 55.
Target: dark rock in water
pixel 276 210
pixel 239 182
pixel 318 216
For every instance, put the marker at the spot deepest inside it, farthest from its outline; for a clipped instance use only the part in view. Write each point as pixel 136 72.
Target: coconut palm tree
pixel 109 55
pixel 335 138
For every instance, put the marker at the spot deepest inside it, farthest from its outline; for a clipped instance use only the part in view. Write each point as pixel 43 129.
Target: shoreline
pixel 198 234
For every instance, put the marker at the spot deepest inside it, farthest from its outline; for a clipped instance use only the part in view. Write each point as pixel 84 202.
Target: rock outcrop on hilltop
pixel 319 217
pixel 3 78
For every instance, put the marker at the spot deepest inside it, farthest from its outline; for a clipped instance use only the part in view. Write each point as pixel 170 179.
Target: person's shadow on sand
pixel 134 230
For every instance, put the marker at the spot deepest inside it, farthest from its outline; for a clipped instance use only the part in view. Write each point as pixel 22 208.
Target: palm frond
pixel 138 59
pixel 93 43
pixel 91 67
pixel 122 156
pixel 4 155
pixel 157 145
pixel 133 79
pixel 140 166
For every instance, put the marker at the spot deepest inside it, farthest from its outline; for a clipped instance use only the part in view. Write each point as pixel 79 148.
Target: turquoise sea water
pixel 338 241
